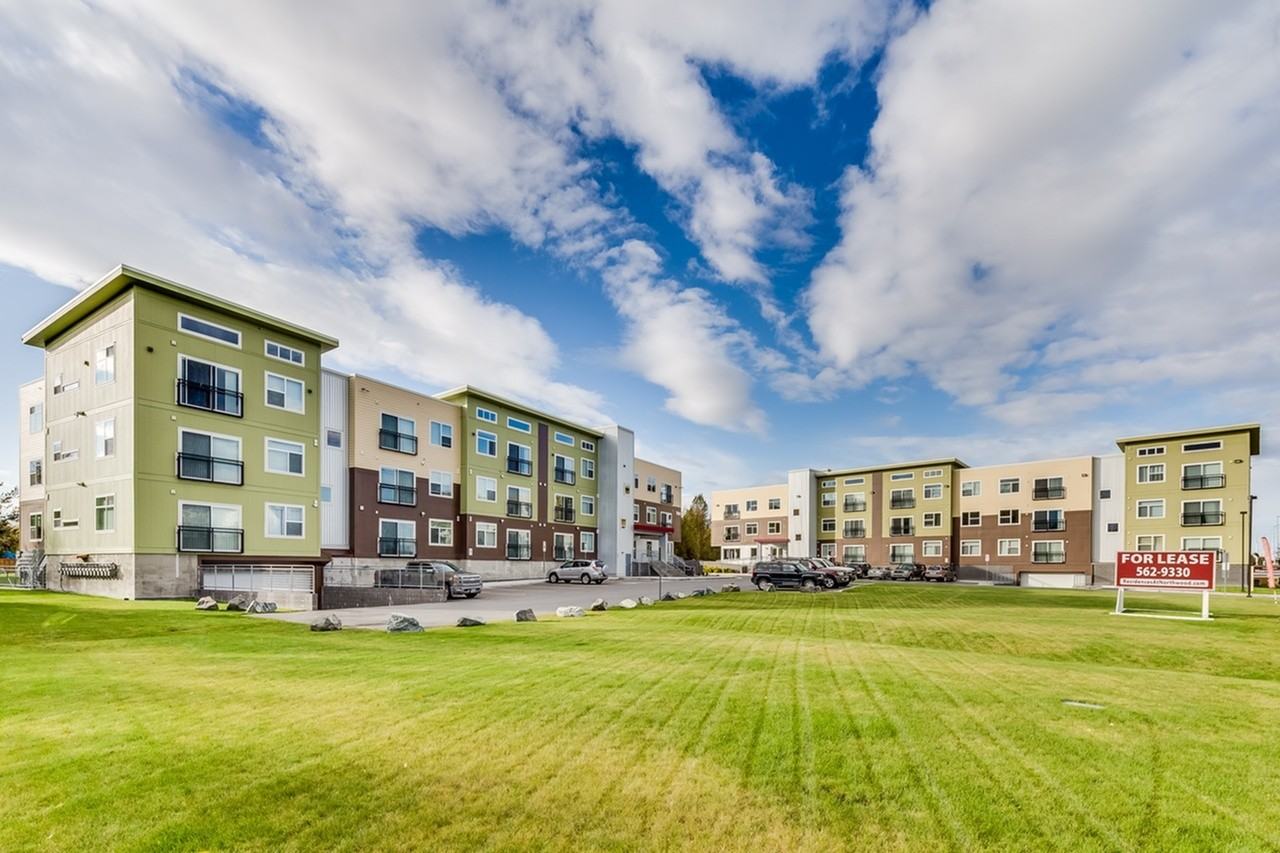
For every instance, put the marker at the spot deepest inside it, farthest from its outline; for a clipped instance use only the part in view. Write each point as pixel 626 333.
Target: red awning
pixel 771 540
pixel 641 527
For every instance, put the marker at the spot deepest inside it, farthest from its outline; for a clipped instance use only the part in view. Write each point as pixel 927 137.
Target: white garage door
pixel 1055 580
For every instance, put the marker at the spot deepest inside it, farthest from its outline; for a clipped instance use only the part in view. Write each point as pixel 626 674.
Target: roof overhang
pixel 1254 431
pixel 472 391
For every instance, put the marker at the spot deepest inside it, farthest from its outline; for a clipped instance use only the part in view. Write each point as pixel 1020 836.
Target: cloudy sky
pixel 763 234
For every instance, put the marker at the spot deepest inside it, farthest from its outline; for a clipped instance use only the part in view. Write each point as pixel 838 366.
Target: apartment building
pixel 656 506
pixel 180 434
pixel 750 524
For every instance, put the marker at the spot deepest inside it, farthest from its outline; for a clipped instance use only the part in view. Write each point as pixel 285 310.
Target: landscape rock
pixel 256 606
pixel 666 596
pixel 569 612
pixel 206 603
pixel 730 587
pixel 399 623
pixel 239 602
pixel 680 595
pixel 599 605
pixel 646 601
pixel 627 604
pixel 766 587
pixel 699 593
pixel 269 607
pixel 469 622
pixel 328 622
pixel 526 615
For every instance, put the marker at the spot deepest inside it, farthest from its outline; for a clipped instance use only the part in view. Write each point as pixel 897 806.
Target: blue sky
pixel 763 235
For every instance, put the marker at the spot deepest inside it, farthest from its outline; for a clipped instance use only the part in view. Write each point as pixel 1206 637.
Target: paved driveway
pixel 501 599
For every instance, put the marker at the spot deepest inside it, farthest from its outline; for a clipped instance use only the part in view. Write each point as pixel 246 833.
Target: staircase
pixel 30 570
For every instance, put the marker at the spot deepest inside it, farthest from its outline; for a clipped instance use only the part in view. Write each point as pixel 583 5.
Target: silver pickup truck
pixel 456 582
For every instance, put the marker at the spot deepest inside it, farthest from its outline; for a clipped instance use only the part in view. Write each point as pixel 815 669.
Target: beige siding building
pixel 750 524
pixel 31 460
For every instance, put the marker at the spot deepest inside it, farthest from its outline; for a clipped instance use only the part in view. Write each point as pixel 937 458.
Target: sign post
pixel 1166 571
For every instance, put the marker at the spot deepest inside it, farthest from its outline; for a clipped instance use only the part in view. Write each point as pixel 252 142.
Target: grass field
pixel 881 717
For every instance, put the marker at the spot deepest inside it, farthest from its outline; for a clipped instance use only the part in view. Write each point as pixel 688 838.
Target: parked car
pixel 941 574
pixel 834 575
pixel 431 573
pixel 877 573
pixel 858 570
pixel 585 571
pixel 793 574
pixel 906 572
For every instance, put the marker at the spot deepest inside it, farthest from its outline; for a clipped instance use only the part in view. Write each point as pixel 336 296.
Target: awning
pixel 771 540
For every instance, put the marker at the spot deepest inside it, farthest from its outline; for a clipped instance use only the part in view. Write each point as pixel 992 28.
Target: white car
pixel 585 571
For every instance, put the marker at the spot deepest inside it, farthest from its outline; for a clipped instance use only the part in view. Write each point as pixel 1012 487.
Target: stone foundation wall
pixel 137 576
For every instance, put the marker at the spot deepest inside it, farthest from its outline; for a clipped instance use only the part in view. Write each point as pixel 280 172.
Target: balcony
pixel 565 476
pixel 519 509
pixel 211 540
pixel 855 506
pixel 519 465
pixel 731 515
pixel 667 495
pixel 858 532
pixel 902 503
pixel 400 442
pixel 564 513
pixel 732 539
pixel 210 469
pixel 1204 481
pixel 389 493
pixel 1048 493
pixel 210 398
pixel 562 554
pixel 1048 525
pixel 896 529
pixel 389 546
pixel 519 552
pixel 1203 519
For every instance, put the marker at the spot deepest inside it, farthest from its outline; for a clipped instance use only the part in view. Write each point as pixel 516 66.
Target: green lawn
pixel 881 717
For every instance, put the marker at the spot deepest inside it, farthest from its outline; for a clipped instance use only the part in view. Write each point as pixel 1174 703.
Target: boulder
pixel 646 601
pixel 667 596
pixel 256 606
pixel 399 623
pixel 699 593
pixel 469 622
pixel 569 612
pixel 327 622
pixel 526 615
pixel 627 604
pixel 239 602
pixel 766 587
pixel 599 605
pixel 730 587
pixel 680 595
pixel 269 607
pixel 206 603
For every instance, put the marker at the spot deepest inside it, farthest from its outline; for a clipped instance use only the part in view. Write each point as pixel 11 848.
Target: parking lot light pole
pixel 1247 566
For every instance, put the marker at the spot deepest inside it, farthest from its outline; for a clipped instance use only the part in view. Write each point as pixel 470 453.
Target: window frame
pixel 438 430
pixel 492 438
pixel 182 315
pixel 564 438
pixel 970 488
pixel 97 509
pixel 519 425
pixel 966 544
pixel 284 521
pixel 1016 482
pixel 936 488
pixel 266 456
pixel 924 520
pixel 1017 518
pixel 104 446
pixel 266 392
pixel 1146 469
pixel 971 512
pixel 486 527
pixel 1148 503
pixel 435 525
pixel 431 484
pixel 1202 446
pixel 267 344
pixel 480 492
pixel 106 354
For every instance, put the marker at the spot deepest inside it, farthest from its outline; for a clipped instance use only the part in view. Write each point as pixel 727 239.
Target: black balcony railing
pixel 666 495
pixel 896 529
pixel 564 513
pixel 1044 525
pixel 519 509
pixel 389 546
pixel 855 506
pixel 733 538
pixel 400 442
pixel 518 465
pixel 1204 481
pixel 731 514
pixel 1203 519
pixel 566 476
pixel 210 469
pixel 902 503
pixel 211 398
pixel 519 552
pixel 389 493
pixel 1048 493
pixel 562 554
pixel 211 540
pixel 858 532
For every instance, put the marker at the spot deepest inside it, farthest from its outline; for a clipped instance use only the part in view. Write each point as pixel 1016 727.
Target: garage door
pixel 1054 580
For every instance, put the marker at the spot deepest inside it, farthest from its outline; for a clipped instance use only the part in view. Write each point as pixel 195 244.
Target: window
pixel 61 387
pixel 440 532
pixel 60 455
pixel 902 553
pixel 775 503
pixel 562 546
pixel 902 526
pixel 931 548
pixel 752 506
pixel 730 510
pixel 855 481
pixel 209 457
pixel 1113 527
pixel 397 486
pixel 970 519
pixel 1104 494
pixel 564 438
pixel 486 443
pixel 589 447
pixel 1151 542
pixel 855 502
pixel 563 471
pixel 751 528
pixel 1151 451
pixel 1203 475
pixel 902 498
pixel 828 498
pixel 487 415
pixel 211 331
pixel 1047 488
pixel 1190 543
pixel 827 484
pixel 519 425
pixel 773 527
pixel 284 457
pixel 731 553
pixel 1048 519
pixel 326 494
pixel 60 523
pixel 35 418
pixel 828 525
pixel 333 438
pixel 903 475
pixel 35 526
pixel 519 502
pixel 651 515
pixel 519 459
pixel 104 438
pixel 104 513
pixel 970 547
pixel 1199 446
pixel 932 474
pixel 635 512
pixel 667 493
pixel 932 491
pixel 284 353
pixel 1151 508
pixel 442 434
pixel 35 472
pixel 1009 547
pixel 588 469
pixel 1048 552
pixel 519 545
pixel 441 484
pixel 487 489
pixel 1010 516
pixel 104 365
pixel 284 393
pixel 284 521
pixel 651 484
pixel 486 534
pixel 855 553
pixel 970 488
pixel 932 519
pixel 588 505
pixel 731 534
pixel 398 434
pixel 1153 473
pixel 397 538
pixel 1196 513
pixel 1010 485
pixel 854 530
pixel 209 386
pixel 210 528
pixel 587 542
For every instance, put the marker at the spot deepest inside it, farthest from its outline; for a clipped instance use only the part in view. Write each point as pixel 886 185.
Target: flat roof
pixel 1254 430
pixel 123 277
pixel 837 472
pixel 471 390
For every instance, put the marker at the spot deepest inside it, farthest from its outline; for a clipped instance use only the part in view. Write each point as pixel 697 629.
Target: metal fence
pixel 26 572
pixel 250 578
pixel 371 577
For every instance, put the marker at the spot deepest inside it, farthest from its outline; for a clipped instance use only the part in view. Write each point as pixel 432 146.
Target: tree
pixel 695 531
pixel 9 520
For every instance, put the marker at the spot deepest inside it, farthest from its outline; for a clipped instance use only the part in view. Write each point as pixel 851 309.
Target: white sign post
pixel 1166 571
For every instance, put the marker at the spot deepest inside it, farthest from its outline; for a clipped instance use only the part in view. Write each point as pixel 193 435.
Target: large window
pixel 441 484
pixel 1010 485
pixel 397 538
pixel 519 459
pixel 209 457
pixel 562 546
pixel 519 502
pixel 931 548
pixel 210 528
pixel 564 470
pixel 104 365
pixel 902 553
pixel 902 526
pixel 397 486
pixel 1043 520
pixel 285 393
pixel 564 508
pixel 855 553
pixel 1009 547
pixel 487 489
pixel 970 518
pixel 486 534
pixel 775 503
pixel 1010 516
pixel 1205 475
pixel 1048 488
pixel 587 542
pixel 828 499
pixel 209 386
pixel 902 498
pixel 398 434
pixel 932 491
pixel 1048 552
pixel 285 521
pixel 285 457
pixel 441 532
pixel 931 519
pixel 970 488
pixel 211 331
pixel 970 547
pixel 1202 543
pixel 104 513
pixel 1197 513
pixel 1151 542
pixel 519 545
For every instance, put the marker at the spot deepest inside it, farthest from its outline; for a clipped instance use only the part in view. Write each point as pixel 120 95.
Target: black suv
pixel 858 570
pixel 787 573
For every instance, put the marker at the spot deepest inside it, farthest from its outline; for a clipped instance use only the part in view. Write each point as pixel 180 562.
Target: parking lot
pixel 501 599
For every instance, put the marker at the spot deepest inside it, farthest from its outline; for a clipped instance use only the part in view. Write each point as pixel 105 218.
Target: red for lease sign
pixel 1185 570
